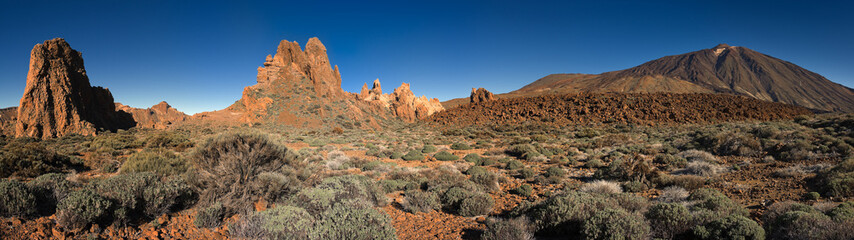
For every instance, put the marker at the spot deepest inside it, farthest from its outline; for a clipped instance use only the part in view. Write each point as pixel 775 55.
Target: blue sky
pixel 198 56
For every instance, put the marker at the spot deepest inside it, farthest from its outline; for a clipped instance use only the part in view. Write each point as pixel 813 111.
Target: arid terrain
pixel 712 153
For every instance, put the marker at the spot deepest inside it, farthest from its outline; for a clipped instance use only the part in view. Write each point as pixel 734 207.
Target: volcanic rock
pixel 635 108
pixel 159 116
pixel 402 102
pixel 300 88
pixel 58 99
pixel 481 95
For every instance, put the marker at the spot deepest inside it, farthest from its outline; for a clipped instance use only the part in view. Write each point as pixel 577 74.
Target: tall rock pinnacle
pixel 58 99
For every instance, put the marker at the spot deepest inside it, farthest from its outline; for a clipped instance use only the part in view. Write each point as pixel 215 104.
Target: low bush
pixel 445 156
pixel 792 220
pixel 413 156
pixel 527 173
pixel 473 158
pixel 507 229
pixel 429 149
pixel 165 197
pixel 673 194
pixel 460 146
pixel 49 189
pixel 336 190
pixel 160 161
pixel 31 159
pixel 227 170
pixel 16 199
pixel 514 164
pixel 669 220
pixel 353 220
pixel 168 139
pixel 710 205
pixel 731 227
pixel 634 186
pixel 839 180
pixel 615 223
pixel 81 208
pixel 475 205
pixel 421 201
pixel 524 190
pixel 698 155
pixel 210 216
pixel 601 186
pixel 563 215
pixel 704 169
pixel 281 222
pixel 689 182
pixel 555 172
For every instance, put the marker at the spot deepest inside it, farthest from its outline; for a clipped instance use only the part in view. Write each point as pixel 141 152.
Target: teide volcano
pixel 721 69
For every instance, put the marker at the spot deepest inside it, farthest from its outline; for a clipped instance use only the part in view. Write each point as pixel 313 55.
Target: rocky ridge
pixel 159 116
pixel 58 99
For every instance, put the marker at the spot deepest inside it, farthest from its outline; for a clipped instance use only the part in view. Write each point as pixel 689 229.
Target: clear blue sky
pixel 198 56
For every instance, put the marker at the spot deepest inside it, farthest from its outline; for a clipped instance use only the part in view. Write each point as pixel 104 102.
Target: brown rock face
pixel 58 99
pixel 480 95
pixel 402 102
pixel 8 116
pixel 300 88
pixel 159 116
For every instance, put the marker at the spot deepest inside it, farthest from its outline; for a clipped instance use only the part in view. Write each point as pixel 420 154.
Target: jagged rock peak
pixel 377 88
pixel 480 95
pixel 58 99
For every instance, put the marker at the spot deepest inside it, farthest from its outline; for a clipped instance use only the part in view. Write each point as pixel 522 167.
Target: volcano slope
pixel 639 108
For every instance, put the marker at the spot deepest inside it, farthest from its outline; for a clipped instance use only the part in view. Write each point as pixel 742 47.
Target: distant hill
pixel 721 69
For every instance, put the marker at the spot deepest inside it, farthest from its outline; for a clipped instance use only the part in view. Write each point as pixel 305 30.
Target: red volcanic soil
pixel 638 108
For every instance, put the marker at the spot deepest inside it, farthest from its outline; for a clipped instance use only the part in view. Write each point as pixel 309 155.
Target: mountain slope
pixel 722 69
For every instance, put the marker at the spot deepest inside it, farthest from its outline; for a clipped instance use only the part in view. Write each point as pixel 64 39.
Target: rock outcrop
pixel 481 95
pixel 8 116
pixel 58 99
pixel 402 102
pixel 301 88
pixel 159 116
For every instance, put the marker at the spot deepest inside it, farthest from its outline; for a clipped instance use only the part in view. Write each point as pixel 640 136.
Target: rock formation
pixel 159 116
pixel 402 102
pixel 58 99
pixel 480 95
pixel 301 88
pixel 8 116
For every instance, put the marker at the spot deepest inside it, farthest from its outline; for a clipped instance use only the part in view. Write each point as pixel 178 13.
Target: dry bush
pixel 601 186
pixel 705 169
pixel 228 166
pixel 508 229
pixel 673 194
pixel 698 155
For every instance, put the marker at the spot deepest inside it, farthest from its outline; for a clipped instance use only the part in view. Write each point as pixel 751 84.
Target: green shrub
pixel 19 159
pixel 555 172
pixel 669 220
pixel 613 223
pixel 227 170
pixel 475 205
pixel 164 197
pixel 473 158
pixel 170 139
pixel 160 161
pixel 514 164
pixel 731 227
pixel 392 185
pixel 421 201
pixel 507 229
pixel 114 141
pixel 428 149
pixel 476 170
pixel 634 186
pixel 524 190
pixel 445 156
pixel 16 199
pixel 125 189
pixel 354 221
pixel 413 156
pixel 563 215
pixel 712 204
pixel 81 208
pixel 49 189
pixel 336 190
pixel 527 173
pixel 594 163
pixel 843 212
pixel 460 146
pixel 210 216
pixel 281 222
pixel 396 155
pixel 812 196
pixel 486 179
pixel 524 151
pixel 839 180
